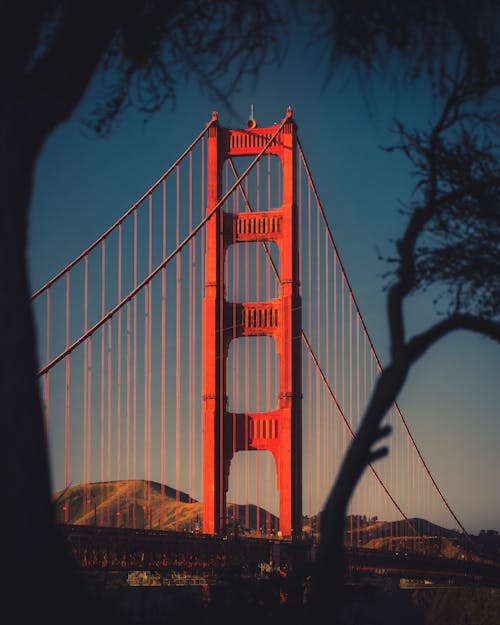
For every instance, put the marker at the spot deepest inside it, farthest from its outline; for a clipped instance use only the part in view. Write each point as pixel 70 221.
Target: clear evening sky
pixel 452 396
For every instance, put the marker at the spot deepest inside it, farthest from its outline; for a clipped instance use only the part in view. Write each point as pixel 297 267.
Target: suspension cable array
pixel 121 345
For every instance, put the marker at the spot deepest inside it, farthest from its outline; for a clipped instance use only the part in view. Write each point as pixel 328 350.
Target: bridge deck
pixel 126 549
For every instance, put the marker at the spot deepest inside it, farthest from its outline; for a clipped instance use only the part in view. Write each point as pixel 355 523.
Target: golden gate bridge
pixel 209 342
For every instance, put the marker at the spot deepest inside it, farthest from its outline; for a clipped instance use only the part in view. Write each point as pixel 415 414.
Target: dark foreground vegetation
pixel 53 50
pixel 375 601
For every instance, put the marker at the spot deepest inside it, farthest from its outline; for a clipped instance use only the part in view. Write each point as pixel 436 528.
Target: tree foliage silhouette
pixel 52 50
pixel 451 243
pixel 50 53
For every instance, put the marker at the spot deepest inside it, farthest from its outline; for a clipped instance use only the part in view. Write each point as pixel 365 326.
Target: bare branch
pixel 419 344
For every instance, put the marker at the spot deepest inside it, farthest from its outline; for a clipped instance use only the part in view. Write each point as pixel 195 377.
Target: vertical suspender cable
pixel 103 343
pixel 351 411
pixel 202 264
pixel 222 512
pixel 357 415
pixel 309 366
pixel 88 369
pixel 247 382
pixel 236 371
pixel 326 446
pixel 47 356
pixel 342 364
pixel 195 360
pixel 318 410
pixel 145 407
pixel 268 464
pixel 89 404
pixel 239 357
pixel 258 406
pixel 109 389
pixel 163 397
pixel 148 390
pixel 366 502
pixel 134 375
pixel 191 337
pixel 86 406
pixel 127 419
pixel 119 374
pixel 335 357
pixel 177 352
pixel 67 394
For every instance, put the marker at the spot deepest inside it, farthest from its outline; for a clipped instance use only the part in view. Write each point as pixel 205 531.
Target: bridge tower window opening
pixel 252 272
pixel 262 188
pixel 252 497
pixel 252 375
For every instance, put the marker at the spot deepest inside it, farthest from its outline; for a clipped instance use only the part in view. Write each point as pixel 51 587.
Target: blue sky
pixel 452 395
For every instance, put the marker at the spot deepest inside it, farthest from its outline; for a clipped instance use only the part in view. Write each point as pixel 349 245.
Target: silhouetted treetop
pixel 420 35
pixel 214 43
pixel 453 233
pixel 140 49
pixel 50 51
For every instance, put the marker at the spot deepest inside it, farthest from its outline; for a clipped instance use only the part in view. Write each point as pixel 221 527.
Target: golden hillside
pixel 142 504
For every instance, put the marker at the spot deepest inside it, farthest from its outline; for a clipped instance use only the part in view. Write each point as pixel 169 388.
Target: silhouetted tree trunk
pixel 43 578
pixel 49 52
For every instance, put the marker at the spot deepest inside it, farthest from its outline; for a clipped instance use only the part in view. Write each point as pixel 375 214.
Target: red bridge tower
pixel 278 431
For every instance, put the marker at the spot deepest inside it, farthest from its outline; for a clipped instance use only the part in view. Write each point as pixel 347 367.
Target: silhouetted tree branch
pixel 452 240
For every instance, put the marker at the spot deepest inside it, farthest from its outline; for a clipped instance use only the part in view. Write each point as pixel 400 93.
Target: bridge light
pixel 251 123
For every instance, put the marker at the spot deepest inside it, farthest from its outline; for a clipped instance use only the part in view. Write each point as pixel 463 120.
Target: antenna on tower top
pixel 251 121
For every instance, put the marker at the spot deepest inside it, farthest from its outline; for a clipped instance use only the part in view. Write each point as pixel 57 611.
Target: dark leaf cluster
pixel 134 52
pixel 367 35
pixel 214 43
pixel 453 237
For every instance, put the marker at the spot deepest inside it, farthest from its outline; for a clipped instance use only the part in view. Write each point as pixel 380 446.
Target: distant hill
pixel 142 504
pixel 363 529
pixel 368 530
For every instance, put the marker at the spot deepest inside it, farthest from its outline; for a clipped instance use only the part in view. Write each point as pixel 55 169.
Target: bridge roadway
pixel 126 549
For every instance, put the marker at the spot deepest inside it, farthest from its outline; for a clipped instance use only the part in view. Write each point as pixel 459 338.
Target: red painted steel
pixel 277 431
